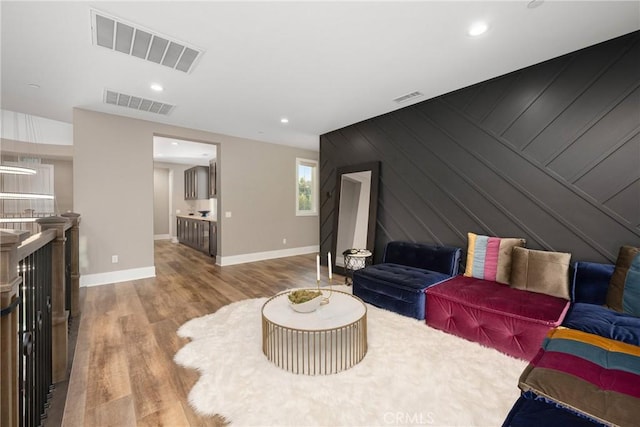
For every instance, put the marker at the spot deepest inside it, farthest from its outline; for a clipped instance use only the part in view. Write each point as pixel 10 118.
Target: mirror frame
pixel 374 167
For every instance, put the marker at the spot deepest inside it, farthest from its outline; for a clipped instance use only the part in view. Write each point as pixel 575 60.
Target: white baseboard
pixel 117 276
pixel 262 256
pixel 161 237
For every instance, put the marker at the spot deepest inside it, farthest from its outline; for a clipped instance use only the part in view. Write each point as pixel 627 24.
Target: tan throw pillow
pixel 541 271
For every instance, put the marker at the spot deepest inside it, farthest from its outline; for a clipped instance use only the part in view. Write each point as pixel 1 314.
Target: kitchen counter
pixel 197 216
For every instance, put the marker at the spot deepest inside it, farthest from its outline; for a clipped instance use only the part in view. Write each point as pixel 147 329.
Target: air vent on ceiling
pixel 407 97
pixel 137 102
pixel 119 35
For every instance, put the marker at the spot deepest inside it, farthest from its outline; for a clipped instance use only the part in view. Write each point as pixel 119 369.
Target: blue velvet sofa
pixel 586 314
pixel 398 284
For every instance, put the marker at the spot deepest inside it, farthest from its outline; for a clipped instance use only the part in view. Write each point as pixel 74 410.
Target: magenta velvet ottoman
pixel 510 320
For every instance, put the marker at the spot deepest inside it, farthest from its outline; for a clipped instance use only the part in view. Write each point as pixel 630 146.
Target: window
pixel 306 187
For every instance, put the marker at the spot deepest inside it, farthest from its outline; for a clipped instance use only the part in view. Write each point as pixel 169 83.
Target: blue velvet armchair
pixel 398 284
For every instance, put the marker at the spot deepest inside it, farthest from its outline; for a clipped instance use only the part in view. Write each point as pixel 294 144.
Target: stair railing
pixel 39 286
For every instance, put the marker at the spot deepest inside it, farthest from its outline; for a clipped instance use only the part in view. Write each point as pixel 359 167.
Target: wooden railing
pixel 39 286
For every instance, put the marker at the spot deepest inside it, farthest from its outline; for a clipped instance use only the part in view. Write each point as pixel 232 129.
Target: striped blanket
pixel 588 374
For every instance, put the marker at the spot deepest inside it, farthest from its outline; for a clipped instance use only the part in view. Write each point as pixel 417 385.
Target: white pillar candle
pixel 318 267
pixel 329 261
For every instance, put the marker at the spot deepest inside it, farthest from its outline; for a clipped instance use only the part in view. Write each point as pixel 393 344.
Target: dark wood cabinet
pixel 213 239
pixel 196 183
pixel 197 233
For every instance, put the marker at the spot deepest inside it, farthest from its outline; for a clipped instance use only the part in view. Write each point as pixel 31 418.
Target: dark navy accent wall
pixel 550 153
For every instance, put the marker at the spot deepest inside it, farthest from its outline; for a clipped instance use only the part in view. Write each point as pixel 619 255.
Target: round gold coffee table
pixel 326 341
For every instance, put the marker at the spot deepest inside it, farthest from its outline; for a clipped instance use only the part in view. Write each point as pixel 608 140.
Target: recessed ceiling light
pixel 156 87
pixel 174 143
pixel 284 120
pixel 33 86
pixel 477 29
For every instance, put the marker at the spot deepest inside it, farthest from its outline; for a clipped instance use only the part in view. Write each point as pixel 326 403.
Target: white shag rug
pixel 411 375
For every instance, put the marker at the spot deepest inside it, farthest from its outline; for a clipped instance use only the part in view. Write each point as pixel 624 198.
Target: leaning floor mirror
pixel 356 206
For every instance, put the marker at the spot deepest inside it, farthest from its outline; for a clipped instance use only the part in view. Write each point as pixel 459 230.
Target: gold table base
pixel 311 351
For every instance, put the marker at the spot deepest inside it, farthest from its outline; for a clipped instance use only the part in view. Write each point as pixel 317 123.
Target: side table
pixel 326 341
pixel 355 261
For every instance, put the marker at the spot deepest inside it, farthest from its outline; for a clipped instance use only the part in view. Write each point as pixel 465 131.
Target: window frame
pixel 314 186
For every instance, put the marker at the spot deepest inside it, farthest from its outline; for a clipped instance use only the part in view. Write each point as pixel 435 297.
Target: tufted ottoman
pixel 602 321
pixel 399 282
pixel 510 320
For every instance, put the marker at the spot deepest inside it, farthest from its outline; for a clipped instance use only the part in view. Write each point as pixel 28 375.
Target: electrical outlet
pixel 114 259
pixel 284 241
pixel 227 214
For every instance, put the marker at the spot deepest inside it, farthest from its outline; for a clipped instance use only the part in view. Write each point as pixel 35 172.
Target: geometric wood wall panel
pixel 550 153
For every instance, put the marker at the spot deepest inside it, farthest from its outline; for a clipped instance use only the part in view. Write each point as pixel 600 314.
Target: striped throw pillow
pixel 489 258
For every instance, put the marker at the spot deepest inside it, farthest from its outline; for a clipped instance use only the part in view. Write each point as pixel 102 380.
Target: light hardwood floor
pixel 123 373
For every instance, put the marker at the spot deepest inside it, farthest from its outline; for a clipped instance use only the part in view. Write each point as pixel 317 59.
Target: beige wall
pixel 160 201
pixel 113 190
pixel 63 183
pixel 258 187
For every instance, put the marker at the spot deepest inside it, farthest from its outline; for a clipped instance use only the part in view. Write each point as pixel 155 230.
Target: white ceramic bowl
pixel 307 306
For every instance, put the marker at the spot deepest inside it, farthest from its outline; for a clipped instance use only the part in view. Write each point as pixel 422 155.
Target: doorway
pixel 171 158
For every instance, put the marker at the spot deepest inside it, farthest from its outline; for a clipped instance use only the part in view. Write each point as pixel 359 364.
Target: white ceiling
pixel 170 150
pixel 323 65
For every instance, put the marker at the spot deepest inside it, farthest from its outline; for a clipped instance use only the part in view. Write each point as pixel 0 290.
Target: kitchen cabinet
pixel 196 183
pixel 213 239
pixel 198 233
